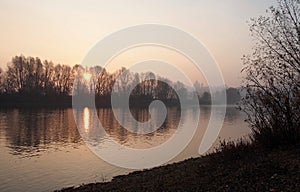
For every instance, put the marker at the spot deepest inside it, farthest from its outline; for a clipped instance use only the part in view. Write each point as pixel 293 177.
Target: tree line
pixel 30 78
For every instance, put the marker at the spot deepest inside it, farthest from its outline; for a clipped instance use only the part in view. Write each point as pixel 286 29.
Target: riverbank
pixel 232 168
pixel 66 101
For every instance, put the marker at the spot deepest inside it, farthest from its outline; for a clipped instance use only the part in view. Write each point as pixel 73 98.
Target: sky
pixel 65 30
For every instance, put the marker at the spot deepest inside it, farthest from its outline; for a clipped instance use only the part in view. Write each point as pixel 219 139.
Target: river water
pixel 42 150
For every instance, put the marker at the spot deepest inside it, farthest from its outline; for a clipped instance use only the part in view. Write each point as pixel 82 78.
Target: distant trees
pixel 233 95
pixel 63 79
pixel 29 77
pixel 2 78
pixel 273 76
pixel 104 83
pixel 163 90
pixel 205 99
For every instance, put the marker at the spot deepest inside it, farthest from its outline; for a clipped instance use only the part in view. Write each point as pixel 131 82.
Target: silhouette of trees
pixel 30 79
pixel 2 78
pixel 233 95
pixel 163 90
pixel 48 78
pixel 16 74
pixel 273 76
pixel 31 76
pixel 63 79
pixel 102 85
pixel 198 88
pixel 205 99
pixel 148 84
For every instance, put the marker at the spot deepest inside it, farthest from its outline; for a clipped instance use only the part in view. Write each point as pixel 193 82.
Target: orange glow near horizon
pixel 33 28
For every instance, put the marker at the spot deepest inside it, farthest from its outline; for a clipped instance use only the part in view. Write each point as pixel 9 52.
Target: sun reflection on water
pixel 86 119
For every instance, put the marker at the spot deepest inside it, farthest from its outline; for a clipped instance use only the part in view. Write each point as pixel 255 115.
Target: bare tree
pixel 16 74
pixel 148 83
pixel 48 77
pixel 62 79
pixel 273 76
pixel 163 90
pixel 2 87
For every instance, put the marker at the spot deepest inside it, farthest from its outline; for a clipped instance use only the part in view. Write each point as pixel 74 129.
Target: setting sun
pixel 183 95
pixel 87 76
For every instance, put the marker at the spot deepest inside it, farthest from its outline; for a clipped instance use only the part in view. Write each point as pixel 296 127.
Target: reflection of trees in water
pixel 123 136
pixel 232 114
pixel 30 131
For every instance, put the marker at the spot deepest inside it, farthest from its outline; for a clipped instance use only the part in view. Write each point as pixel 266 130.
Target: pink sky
pixel 64 31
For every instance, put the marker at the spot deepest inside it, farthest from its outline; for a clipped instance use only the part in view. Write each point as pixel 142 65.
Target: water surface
pixel 42 150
